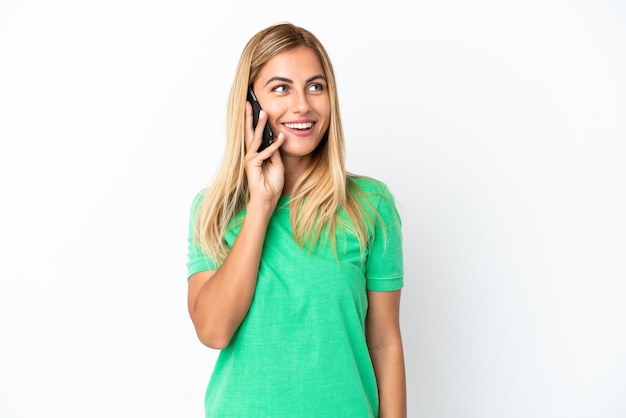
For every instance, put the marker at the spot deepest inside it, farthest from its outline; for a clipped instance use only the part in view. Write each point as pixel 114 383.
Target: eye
pixel 280 88
pixel 316 87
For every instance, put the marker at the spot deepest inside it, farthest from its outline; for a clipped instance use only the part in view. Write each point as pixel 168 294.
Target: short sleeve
pixel 384 268
pixel 197 260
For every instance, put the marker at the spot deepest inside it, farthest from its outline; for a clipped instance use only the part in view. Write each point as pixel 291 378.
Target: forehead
pixel 295 64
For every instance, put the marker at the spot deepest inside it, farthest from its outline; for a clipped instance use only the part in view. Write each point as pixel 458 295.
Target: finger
pixel 272 150
pixel 254 136
pixel 250 132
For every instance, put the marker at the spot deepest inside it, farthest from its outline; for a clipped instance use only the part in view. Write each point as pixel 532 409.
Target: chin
pixel 301 150
pixel 299 153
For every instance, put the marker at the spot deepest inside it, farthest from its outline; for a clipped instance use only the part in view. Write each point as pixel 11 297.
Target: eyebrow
pixel 286 80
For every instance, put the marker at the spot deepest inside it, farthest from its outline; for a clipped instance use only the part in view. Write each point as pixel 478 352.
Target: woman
pixel 295 266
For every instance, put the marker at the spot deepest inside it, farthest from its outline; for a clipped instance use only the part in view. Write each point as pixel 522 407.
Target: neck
pixel 294 167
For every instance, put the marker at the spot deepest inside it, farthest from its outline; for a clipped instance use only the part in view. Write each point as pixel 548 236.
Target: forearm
pixel 388 362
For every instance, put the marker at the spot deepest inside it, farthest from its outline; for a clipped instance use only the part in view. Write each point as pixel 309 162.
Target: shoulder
pixel 199 196
pixel 368 186
pixel 374 197
pixel 197 201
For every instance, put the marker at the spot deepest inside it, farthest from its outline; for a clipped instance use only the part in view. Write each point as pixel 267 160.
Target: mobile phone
pixel 268 135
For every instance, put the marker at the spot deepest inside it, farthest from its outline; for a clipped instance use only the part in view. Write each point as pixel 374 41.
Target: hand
pixel 265 170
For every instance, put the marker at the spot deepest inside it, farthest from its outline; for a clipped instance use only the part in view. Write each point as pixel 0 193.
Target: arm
pixel 218 300
pixel 384 340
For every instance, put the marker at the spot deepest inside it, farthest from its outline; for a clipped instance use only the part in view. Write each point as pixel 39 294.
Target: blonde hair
pixel 320 192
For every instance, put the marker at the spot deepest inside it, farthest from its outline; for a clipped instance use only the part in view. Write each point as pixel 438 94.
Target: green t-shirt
pixel 301 349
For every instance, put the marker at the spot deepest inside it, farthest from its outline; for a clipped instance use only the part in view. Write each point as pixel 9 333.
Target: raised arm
pixel 218 300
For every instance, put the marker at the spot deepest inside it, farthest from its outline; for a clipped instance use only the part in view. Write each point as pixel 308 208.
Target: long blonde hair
pixel 320 192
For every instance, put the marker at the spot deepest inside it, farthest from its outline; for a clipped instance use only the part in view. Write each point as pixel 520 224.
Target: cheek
pixel 323 109
pixel 326 117
pixel 274 110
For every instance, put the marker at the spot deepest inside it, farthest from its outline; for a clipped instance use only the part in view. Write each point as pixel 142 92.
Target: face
pixel 292 90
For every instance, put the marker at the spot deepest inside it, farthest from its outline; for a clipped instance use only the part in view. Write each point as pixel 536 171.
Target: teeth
pixel 307 125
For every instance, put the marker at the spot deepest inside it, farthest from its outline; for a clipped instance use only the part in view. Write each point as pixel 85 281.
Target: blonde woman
pixel 295 266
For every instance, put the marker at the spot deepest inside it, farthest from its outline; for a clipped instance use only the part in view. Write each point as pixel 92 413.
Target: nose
pixel 299 102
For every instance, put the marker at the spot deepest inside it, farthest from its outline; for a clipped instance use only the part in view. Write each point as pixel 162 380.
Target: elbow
pixel 213 330
pixel 216 344
pixel 212 339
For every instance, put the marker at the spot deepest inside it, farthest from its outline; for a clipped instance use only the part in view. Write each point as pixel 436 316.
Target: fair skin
pixel 382 329
pixel 292 91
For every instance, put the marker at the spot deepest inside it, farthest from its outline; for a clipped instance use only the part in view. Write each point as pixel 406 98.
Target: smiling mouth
pixel 299 126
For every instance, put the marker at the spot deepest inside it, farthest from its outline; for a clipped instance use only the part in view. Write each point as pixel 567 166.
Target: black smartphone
pixel 268 135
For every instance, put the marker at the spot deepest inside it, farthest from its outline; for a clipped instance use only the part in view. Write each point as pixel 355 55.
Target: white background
pixel 499 127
